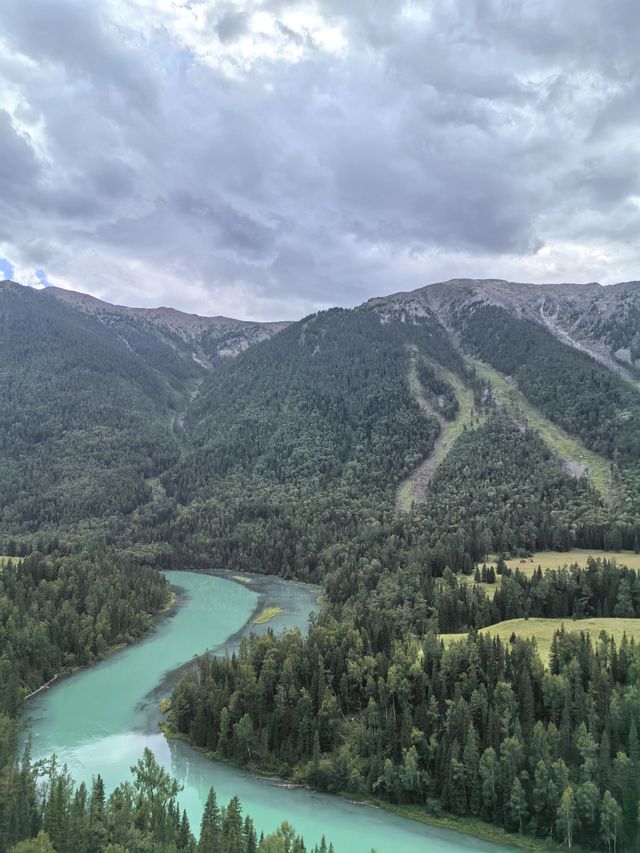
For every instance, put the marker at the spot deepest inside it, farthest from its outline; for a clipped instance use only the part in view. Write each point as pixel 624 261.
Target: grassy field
pixel 489 588
pixel 552 560
pixel 557 559
pixel 414 488
pixel 267 615
pixel 543 630
pixel 568 448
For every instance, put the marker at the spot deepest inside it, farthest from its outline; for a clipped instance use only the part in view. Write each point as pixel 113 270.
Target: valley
pixel 84 720
pixel 384 454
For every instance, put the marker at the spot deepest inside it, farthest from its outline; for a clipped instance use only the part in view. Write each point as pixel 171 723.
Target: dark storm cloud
pixel 269 158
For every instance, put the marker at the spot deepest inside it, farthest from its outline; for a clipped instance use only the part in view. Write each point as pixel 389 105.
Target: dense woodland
pixel 574 391
pixel 138 816
pixel 438 392
pixel 57 613
pixel 118 454
pixel 84 420
pixel 478 728
pixel 292 470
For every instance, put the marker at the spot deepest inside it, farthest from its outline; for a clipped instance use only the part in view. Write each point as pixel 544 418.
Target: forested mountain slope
pixel 205 340
pixel 287 460
pixel 89 394
pixel 302 440
pixel 561 346
pixel 130 422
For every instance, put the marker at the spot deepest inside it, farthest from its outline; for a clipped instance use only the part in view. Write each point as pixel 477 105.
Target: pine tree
pixel 231 836
pixel 55 814
pixel 470 760
pixel 184 833
pixel 634 757
pixel 624 601
pixel 249 833
pixel 210 825
pixel 526 704
pixel 604 759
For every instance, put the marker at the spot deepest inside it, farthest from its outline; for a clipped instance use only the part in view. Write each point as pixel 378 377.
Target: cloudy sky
pixel 266 158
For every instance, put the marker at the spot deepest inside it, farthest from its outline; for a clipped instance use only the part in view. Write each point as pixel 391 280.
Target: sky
pixel 265 159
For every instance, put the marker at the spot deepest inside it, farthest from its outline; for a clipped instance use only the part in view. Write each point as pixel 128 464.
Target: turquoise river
pixel 100 719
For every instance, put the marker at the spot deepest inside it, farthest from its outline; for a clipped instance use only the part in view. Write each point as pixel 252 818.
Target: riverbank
pixel 290 604
pixel 473 827
pixel 102 719
pixel 270 774
pixel 465 826
pixel 153 622
pixel 267 601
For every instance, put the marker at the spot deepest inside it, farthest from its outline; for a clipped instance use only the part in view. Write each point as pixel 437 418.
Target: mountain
pixel 456 400
pixel 389 453
pixel 545 339
pixel 135 422
pixel 603 321
pixel 91 398
pixel 204 339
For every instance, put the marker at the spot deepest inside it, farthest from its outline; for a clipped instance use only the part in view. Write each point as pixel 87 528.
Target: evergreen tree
pixel 567 819
pixel 210 825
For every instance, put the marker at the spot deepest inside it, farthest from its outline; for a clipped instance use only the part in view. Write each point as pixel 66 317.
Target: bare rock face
pixel 204 339
pixel 603 321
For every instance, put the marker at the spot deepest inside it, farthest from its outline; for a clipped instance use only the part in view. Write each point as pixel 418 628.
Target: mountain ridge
pixel 175 319
pixel 194 337
pixel 601 320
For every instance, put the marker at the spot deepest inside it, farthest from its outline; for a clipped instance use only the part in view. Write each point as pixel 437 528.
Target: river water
pixel 100 720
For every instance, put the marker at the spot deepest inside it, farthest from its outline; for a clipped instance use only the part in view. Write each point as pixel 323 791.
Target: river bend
pixel 100 720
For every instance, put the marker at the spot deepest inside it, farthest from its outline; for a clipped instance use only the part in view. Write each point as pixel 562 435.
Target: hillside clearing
pixel 414 488
pixel 542 630
pixel 489 589
pixel 578 458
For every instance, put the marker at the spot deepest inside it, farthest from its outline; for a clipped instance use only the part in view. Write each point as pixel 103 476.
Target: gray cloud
pixel 203 158
pixel 18 163
pixel 229 23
